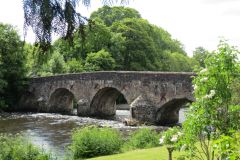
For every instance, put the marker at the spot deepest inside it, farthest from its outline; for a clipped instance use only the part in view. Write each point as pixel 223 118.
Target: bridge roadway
pixel 154 97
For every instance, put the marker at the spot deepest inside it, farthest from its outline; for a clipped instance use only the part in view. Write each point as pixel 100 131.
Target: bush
pixel 227 147
pixel 92 141
pixel 17 148
pixel 143 138
pixel 172 139
pixel 75 66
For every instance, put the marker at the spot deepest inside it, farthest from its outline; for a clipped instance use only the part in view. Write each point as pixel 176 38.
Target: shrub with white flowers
pixel 214 115
pixel 170 138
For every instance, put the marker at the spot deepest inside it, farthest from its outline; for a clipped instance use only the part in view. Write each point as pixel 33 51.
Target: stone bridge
pixel 154 97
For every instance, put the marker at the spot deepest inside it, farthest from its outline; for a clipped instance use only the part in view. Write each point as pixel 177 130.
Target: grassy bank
pixel 158 153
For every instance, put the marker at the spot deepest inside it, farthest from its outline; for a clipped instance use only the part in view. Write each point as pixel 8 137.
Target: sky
pixel 193 22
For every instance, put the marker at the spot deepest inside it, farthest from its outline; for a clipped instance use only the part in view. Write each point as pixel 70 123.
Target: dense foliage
pixel 200 54
pixel 93 141
pixel 227 147
pixel 214 114
pixel 47 17
pixel 101 60
pixel 12 65
pixel 18 148
pixel 127 41
pixel 132 42
pixel 109 15
pixel 142 138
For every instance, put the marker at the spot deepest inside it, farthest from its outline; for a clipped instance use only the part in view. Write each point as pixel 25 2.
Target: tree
pixel 98 37
pixel 99 61
pixel 164 41
pixel 147 47
pixel 34 59
pixel 12 68
pixel 117 48
pixel 109 15
pixel 133 42
pixel 139 53
pixel 181 63
pixel 67 51
pixel 200 54
pixel 213 114
pixel 3 84
pixel 55 65
pixel 75 66
pixel 47 17
pixel 30 58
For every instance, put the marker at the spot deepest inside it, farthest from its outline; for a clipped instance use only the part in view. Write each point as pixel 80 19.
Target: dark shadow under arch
pixel 168 114
pixel 103 104
pixel 61 101
pixel 27 102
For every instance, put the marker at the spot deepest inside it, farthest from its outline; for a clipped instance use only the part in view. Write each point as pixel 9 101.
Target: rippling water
pixel 52 131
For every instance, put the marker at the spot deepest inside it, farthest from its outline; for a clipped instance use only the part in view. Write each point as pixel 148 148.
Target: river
pixel 52 132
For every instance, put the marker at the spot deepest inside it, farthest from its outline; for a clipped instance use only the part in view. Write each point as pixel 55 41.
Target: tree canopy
pixel 12 65
pixel 129 41
pixel 47 17
pixel 109 15
pixel 200 54
pixel 132 42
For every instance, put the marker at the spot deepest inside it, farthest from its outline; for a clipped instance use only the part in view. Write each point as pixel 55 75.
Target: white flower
pixel 204 70
pixel 212 92
pixel 161 140
pixel 183 148
pixel 179 133
pixel 174 138
pixel 195 87
pixel 215 146
pixel 207 96
pixel 210 96
pixel 204 79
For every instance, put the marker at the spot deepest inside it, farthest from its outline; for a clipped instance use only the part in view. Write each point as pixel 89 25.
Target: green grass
pixel 158 153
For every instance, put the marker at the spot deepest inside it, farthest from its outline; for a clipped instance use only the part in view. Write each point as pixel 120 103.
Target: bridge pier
pixel 83 108
pixel 143 110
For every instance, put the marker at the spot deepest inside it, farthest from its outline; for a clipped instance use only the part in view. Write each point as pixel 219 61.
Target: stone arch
pixel 27 102
pixel 168 114
pixel 103 104
pixel 61 101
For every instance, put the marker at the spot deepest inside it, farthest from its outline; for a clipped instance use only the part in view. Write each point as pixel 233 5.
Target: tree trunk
pixel 170 150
